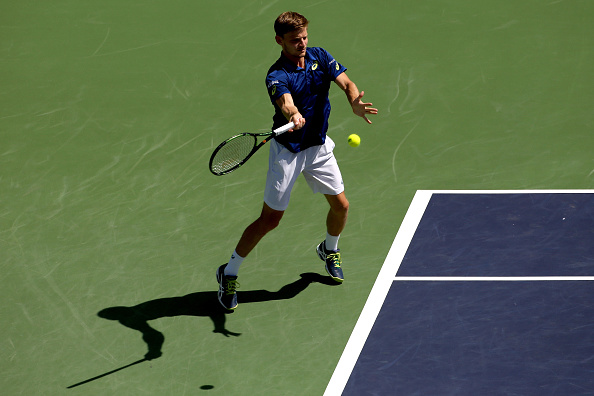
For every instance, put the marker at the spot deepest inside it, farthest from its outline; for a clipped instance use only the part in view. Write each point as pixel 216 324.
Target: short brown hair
pixel 288 22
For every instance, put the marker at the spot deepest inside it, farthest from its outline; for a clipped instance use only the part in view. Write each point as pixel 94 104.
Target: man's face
pixel 294 43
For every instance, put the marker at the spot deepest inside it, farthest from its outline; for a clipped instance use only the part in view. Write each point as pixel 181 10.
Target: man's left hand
pixel 361 108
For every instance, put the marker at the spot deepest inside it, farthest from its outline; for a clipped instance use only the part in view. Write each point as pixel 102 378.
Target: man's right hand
pixel 298 121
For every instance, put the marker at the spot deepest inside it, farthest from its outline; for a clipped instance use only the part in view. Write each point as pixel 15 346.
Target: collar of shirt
pixel 292 66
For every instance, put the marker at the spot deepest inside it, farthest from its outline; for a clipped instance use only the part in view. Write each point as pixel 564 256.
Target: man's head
pixel 289 22
pixel 291 35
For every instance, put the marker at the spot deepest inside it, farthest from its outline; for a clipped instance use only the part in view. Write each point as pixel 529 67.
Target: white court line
pixel 388 272
pixel 491 278
pixel 378 294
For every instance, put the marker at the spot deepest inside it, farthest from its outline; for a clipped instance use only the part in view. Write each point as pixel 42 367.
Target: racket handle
pixel 284 128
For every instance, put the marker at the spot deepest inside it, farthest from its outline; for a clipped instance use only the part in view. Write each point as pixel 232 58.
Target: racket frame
pixel 256 147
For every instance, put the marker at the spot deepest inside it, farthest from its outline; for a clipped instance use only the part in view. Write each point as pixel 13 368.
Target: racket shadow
pixel 201 304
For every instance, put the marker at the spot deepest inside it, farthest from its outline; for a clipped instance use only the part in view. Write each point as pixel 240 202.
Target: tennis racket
pixel 236 150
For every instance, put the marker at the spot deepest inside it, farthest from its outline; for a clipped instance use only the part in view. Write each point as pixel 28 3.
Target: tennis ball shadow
pixel 202 304
pixel 207 387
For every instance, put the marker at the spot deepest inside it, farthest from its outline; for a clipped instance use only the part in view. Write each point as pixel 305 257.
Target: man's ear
pixel 279 40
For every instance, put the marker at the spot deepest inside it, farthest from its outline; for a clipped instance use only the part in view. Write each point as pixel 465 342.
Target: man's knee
pixel 269 218
pixel 269 223
pixel 343 206
pixel 338 203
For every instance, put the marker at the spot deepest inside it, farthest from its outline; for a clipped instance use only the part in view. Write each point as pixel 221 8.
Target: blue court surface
pixel 482 293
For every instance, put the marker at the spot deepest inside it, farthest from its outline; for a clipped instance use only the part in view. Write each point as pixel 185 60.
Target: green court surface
pixel 109 112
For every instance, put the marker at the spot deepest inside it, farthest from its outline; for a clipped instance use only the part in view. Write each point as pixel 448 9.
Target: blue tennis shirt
pixel 309 88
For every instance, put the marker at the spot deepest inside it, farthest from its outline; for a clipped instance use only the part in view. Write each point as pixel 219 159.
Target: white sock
pixel 232 268
pixel 331 242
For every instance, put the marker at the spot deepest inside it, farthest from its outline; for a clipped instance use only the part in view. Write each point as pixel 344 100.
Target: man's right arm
pixel 290 111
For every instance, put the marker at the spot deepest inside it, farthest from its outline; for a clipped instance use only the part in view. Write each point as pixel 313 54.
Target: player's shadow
pixel 197 304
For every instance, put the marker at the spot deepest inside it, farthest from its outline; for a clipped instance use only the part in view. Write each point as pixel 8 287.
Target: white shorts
pixel 318 165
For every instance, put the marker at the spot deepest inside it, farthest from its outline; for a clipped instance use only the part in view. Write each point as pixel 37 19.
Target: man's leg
pixel 337 215
pixel 268 221
pixel 279 183
pixel 335 222
pixel 227 273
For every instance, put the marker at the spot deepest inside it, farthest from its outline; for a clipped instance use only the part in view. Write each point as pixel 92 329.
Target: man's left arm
pixel 354 97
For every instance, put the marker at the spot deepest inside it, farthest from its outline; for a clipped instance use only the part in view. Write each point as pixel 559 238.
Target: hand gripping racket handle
pixel 283 129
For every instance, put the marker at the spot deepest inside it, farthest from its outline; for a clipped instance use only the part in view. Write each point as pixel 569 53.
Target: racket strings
pixel 232 153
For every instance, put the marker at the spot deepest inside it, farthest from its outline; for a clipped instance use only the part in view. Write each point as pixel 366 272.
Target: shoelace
pixel 335 257
pixel 231 286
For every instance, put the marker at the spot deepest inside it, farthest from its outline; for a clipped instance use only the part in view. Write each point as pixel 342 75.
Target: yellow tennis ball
pixel 354 140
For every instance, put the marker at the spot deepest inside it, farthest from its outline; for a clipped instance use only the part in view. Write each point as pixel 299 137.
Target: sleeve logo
pixel 337 66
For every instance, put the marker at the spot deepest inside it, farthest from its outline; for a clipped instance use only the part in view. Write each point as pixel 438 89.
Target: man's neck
pixel 298 61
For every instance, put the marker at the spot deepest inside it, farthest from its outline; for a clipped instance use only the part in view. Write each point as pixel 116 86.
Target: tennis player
pixel 298 85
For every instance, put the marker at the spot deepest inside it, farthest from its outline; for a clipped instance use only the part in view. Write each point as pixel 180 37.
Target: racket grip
pixel 284 128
